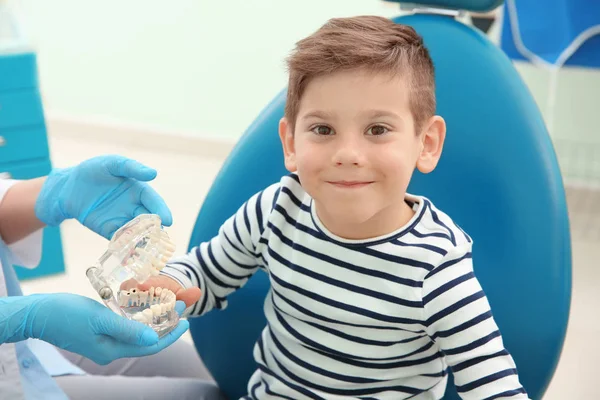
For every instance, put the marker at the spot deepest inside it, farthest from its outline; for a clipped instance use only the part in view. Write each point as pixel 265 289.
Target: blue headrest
pixel 467 5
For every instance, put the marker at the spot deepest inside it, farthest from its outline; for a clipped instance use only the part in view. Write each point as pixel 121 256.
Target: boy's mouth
pixel 350 184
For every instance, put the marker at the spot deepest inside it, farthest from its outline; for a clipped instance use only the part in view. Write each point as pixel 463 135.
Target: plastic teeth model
pixel 138 251
pixel 148 307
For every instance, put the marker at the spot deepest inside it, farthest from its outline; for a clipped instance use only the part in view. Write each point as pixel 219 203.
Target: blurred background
pixel 176 84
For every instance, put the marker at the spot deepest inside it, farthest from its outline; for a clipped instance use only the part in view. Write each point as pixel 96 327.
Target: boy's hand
pixel 188 296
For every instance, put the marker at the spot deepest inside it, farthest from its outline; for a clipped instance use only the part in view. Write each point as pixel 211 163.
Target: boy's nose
pixel 348 153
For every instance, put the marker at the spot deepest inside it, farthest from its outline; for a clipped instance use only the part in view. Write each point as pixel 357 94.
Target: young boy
pixel 372 289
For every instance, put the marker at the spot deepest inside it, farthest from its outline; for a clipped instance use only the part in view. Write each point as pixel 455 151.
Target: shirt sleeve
pixel 226 262
pixel 26 252
pixel 458 318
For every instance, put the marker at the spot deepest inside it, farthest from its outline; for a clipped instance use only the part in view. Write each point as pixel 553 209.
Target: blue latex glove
pixel 81 325
pixel 102 193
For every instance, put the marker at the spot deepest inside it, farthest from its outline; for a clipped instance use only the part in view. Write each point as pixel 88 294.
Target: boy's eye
pixel 322 130
pixel 377 130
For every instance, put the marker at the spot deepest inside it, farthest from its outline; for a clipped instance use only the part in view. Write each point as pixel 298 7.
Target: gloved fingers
pixel 163 343
pixel 139 210
pixel 127 168
pixel 156 205
pixel 179 307
pixel 123 330
pixel 110 226
pixel 172 336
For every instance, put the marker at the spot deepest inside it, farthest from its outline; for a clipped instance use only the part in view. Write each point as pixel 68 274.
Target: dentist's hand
pixel 81 325
pixel 102 193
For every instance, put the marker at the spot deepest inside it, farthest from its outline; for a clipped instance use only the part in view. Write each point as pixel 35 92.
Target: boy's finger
pixel 189 296
pixel 156 281
pixel 160 281
pixel 129 284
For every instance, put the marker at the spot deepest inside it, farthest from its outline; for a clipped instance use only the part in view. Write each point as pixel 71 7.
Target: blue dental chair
pixel 498 178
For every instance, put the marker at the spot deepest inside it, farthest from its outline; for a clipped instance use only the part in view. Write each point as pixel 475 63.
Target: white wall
pixel 572 120
pixel 574 127
pixel 206 68
pixel 189 67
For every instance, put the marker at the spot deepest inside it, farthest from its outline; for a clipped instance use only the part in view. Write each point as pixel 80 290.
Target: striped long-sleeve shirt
pixel 372 319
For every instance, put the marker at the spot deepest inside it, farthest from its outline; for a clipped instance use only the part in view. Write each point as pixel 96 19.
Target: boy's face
pixel 354 148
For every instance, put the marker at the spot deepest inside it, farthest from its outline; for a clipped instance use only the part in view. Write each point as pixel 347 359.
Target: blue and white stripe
pixel 373 319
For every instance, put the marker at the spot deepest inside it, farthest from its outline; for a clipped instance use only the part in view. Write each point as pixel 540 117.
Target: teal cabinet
pixel 24 144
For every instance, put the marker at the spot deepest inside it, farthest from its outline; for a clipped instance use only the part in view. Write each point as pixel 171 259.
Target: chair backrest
pixel 467 5
pixel 498 178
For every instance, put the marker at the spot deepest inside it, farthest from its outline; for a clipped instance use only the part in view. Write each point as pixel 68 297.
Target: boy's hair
pixel 373 43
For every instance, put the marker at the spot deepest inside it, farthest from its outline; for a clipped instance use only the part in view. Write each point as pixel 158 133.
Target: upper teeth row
pixel 165 249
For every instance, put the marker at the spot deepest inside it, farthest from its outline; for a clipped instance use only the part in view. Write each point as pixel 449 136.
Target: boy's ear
pixel 433 137
pixel 286 135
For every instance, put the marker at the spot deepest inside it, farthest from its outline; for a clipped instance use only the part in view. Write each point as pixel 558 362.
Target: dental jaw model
pixel 136 252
